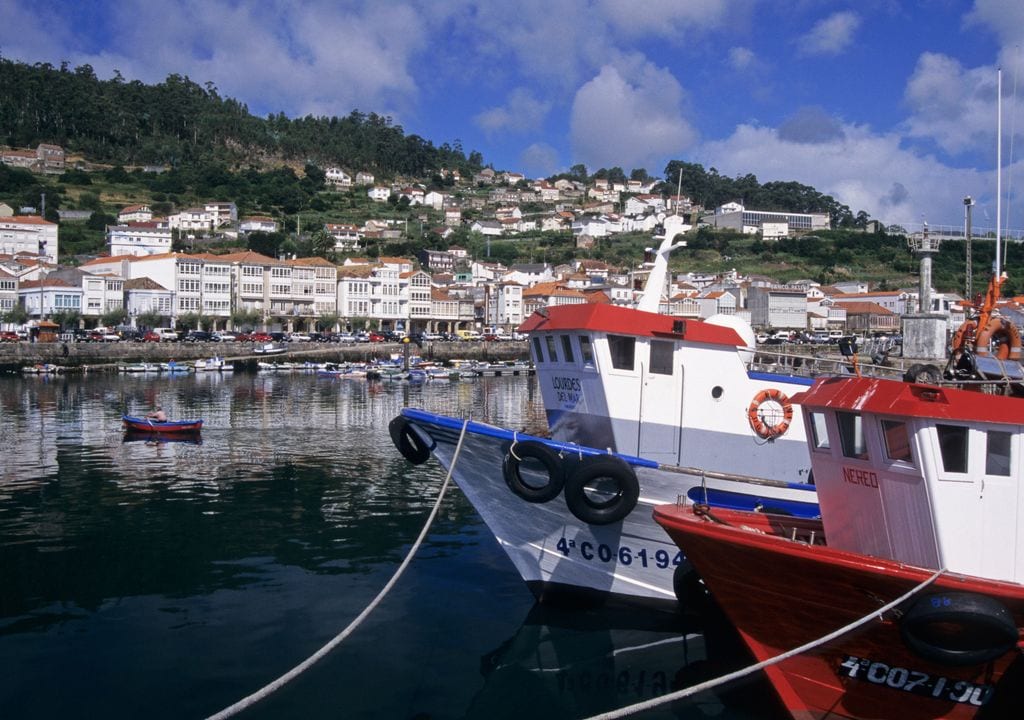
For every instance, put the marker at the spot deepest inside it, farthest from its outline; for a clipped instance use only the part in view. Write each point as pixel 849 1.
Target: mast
pixel 999 171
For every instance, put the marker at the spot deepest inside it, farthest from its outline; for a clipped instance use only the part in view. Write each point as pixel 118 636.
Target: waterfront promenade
pixel 107 356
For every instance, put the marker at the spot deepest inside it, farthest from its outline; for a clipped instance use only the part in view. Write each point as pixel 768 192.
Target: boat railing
pixel 809 364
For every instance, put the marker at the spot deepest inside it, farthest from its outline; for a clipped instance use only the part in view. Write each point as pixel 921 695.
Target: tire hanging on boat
pixel 511 469
pixel 408 442
pixel 959 628
pixel 612 477
pixel 759 422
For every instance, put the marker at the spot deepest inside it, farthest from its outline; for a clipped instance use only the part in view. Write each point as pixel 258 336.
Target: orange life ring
pixel 766 424
pixel 1005 333
pixel 964 335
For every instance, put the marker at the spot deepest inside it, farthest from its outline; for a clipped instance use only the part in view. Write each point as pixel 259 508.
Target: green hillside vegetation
pixel 212 148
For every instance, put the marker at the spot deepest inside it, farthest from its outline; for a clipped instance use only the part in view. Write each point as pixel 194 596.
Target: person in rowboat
pixel 158 415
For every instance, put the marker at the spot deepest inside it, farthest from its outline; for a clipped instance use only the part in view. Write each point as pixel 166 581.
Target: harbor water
pixel 143 578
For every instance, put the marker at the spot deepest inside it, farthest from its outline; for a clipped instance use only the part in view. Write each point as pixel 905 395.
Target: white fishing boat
pixel 214 364
pixel 137 368
pixel 270 349
pixel 641 408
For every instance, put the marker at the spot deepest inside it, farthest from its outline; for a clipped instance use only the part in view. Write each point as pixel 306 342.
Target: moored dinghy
pixel 136 423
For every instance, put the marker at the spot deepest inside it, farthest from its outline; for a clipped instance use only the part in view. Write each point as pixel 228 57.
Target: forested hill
pixel 178 122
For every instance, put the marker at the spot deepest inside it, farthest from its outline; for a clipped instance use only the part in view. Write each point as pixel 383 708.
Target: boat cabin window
pixel 662 352
pixel 953 447
pixel 819 435
pixel 567 349
pixel 851 435
pixel 623 351
pixel 549 340
pixel 897 441
pixel 537 349
pixel 997 455
pixel 586 350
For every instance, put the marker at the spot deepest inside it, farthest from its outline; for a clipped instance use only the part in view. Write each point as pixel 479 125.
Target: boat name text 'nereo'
pixel 867 478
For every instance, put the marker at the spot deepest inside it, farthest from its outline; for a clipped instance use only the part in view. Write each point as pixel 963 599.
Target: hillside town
pixel 440 291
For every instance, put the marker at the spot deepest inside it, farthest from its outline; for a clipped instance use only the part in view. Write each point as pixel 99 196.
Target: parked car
pixel 104 335
pixel 278 337
pixel 375 337
pixel 199 336
pixel 299 337
pixel 167 334
pixel 9 336
pixel 345 337
pixel 224 336
pixel 243 337
pixel 151 336
pixel 261 337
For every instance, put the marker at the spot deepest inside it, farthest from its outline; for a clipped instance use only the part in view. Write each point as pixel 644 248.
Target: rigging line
pixel 729 677
pixel 320 654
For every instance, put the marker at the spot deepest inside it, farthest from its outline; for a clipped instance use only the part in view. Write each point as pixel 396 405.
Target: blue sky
pixel 887 106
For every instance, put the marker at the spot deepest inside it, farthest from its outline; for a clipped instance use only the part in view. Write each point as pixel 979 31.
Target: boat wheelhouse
pixel 920 495
pixel 679 392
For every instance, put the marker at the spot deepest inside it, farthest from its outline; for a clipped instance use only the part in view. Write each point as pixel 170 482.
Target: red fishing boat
pixel 921 501
pixel 148 425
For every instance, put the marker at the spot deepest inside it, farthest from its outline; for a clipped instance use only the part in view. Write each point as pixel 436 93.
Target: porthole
pixel 717 391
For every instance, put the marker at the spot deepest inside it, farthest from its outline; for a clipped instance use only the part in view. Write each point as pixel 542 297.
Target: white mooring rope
pixel 272 687
pixel 722 680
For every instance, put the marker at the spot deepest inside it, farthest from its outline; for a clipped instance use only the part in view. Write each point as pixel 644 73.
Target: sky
pixel 887 106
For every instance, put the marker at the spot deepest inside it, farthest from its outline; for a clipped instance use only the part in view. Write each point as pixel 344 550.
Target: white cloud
pixel 522 112
pixel 630 116
pixel 832 35
pixel 740 58
pixel 1005 18
pixel 951 105
pixel 539 160
pixel 668 18
pixel 863 170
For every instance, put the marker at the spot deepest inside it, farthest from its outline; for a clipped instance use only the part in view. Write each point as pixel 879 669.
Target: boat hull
pixel 554 551
pixel 781 594
pixel 145 425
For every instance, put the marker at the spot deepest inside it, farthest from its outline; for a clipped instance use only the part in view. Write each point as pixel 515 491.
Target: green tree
pixel 246 320
pixel 17 315
pixel 151 319
pixel 67 319
pixel 322 245
pixel 327 322
pixel 113 318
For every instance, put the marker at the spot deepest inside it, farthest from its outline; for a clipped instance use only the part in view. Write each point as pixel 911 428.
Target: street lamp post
pixel 968 204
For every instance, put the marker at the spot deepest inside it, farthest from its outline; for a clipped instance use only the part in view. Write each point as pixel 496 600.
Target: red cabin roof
pixel 891 397
pixel 619 320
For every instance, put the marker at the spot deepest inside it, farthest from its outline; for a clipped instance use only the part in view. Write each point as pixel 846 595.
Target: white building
pixel 504 305
pixel 346 236
pixel 379 193
pixel 337 177
pixel 145 295
pixel 139 238
pixel 735 217
pixel 258 223
pixel 134 213
pixel 28 234
pixel 778 307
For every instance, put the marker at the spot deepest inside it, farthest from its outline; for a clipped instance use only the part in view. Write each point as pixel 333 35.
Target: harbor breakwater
pixel 108 356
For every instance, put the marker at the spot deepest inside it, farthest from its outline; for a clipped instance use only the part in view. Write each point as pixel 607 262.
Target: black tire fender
pixel 408 442
pixel 959 628
pixel 604 468
pixel 553 466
